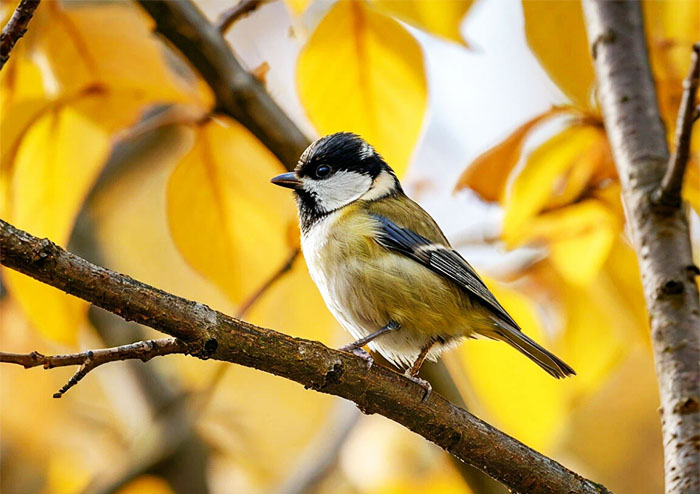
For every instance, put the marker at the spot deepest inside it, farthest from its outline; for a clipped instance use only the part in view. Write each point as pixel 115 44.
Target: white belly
pixel 399 347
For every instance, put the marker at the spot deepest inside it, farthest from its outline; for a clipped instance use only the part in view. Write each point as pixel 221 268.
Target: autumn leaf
pixel 81 50
pixel 440 17
pixel 361 71
pixel 533 187
pixel 584 231
pixel 568 63
pixel 146 483
pixel 488 174
pixel 509 385
pixel 297 7
pixel 55 166
pixel 226 219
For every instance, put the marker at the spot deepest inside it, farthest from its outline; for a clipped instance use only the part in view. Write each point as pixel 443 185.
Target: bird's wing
pixel 441 259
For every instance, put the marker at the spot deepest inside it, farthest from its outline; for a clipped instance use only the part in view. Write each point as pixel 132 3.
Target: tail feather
pixel 545 359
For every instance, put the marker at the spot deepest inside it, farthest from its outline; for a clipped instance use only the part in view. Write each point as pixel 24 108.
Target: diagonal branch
pixel 669 193
pixel 15 28
pixel 90 359
pixel 659 234
pixel 375 389
pixel 238 93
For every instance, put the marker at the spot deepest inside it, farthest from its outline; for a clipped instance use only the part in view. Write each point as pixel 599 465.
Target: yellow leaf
pixel 691 183
pixel 592 167
pixel 147 484
pixel 134 235
pixel 68 472
pixel 297 6
pixel 488 174
pixel 362 72
pixel 672 27
pixel 55 166
pixel 580 238
pixel 17 118
pixel 20 79
pixel 511 386
pixel 537 181
pixel 112 45
pixel 225 217
pixel 556 34
pixel 440 17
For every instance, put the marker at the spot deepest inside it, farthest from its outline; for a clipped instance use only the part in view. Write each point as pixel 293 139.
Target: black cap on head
pixel 341 151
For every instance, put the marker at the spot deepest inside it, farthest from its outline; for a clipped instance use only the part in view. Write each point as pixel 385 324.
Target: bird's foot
pixel 360 352
pixel 427 387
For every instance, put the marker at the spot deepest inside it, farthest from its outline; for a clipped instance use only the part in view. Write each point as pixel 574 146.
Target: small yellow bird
pixel 384 267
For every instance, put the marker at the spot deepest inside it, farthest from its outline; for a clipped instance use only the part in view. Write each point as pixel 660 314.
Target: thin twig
pixel 90 359
pixel 285 268
pixel 15 28
pixel 242 9
pixel 375 389
pixel 669 194
pixel 321 457
pixel 207 393
pixel 660 235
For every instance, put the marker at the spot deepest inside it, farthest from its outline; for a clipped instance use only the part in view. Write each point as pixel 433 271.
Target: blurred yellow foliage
pixel 225 217
pixel 54 168
pixel 182 200
pixel 61 114
pixel 147 484
pixel 440 17
pixel 556 34
pixel 362 70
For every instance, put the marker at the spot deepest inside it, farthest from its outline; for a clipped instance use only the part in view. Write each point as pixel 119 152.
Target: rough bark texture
pixel 238 93
pixel 659 232
pixel 15 28
pixel 375 389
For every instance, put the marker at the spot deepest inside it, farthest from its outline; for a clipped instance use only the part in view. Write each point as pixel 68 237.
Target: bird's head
pixel 337 170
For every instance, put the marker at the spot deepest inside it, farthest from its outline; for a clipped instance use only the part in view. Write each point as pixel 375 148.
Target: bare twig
pixel 375 389
pixel 15 28
pixel 659 234
pixel 90 359
pixel 669 193
pixel 240 10
pixel 238 93
pixel 285 268
pixel 321 457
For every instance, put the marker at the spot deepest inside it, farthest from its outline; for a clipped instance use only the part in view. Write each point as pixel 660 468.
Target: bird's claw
pixel 359 352
pixel 427 387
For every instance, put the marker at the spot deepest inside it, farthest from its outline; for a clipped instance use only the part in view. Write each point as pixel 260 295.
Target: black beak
pixel 286 180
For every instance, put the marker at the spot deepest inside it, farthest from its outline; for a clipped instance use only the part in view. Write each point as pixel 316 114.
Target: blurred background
pixel 486 110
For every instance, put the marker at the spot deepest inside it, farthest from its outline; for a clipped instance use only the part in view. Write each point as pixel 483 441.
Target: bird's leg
pixel 356 346
pixel 412 372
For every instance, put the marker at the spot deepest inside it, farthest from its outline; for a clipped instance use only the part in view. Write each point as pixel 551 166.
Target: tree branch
pixel 238 93
pixel 669 194
pixel 659 234
pixel 240 10
pixel 375 389
pixel 15 28
pixel 90 359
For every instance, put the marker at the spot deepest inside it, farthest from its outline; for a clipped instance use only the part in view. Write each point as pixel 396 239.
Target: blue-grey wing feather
pixel 442 260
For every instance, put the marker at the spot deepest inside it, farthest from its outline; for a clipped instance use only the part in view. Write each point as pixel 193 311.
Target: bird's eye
pixel 323 171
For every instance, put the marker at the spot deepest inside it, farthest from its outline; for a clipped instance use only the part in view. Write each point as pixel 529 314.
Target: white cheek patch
pixel 366 151
pixel 383 185
pixel 340 189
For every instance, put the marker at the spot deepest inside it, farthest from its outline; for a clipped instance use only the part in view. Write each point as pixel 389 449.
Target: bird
pixel 384 267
